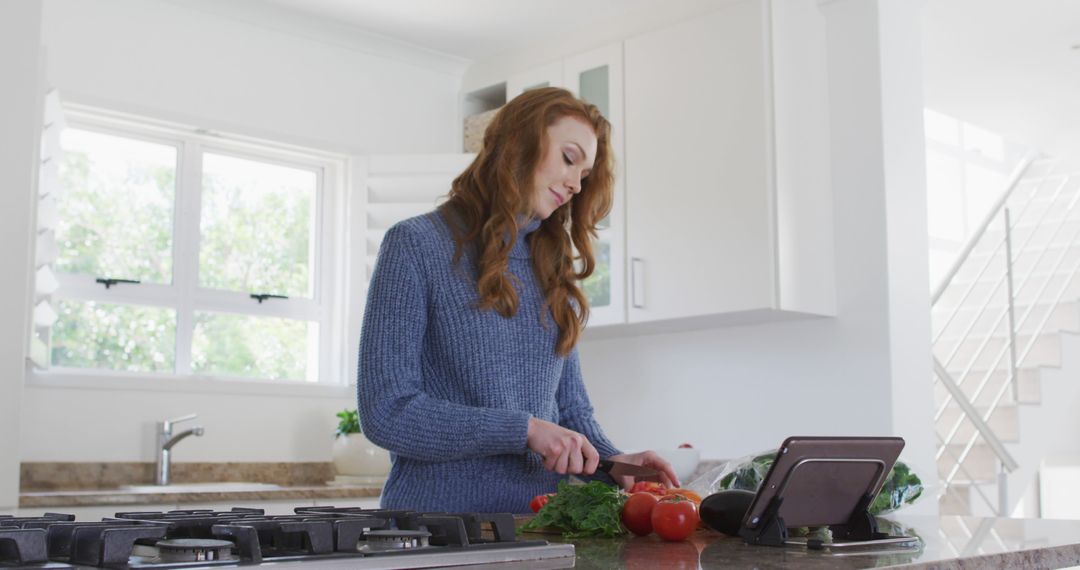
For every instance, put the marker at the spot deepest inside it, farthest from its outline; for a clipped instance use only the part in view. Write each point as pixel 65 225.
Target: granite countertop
pixel 207 493
pixel 57 484
pixel 947 542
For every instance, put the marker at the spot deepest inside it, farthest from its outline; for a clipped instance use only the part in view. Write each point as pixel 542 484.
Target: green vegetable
pixel 581 511
pixel 348 422
pixel 902 487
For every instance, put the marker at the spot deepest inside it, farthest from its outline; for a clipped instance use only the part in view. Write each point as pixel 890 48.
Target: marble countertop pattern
pixel 57 484
pixel 948 542
pixel 208 495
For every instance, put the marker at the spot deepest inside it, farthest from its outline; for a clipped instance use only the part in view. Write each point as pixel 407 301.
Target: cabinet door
pixel 699 221
pixel 597 77
pixel 549 75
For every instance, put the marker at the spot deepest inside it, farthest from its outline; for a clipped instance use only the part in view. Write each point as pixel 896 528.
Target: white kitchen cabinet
pixel 597 77
pixel 724 216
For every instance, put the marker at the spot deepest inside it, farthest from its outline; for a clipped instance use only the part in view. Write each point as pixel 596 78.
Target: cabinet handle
pixel 637 282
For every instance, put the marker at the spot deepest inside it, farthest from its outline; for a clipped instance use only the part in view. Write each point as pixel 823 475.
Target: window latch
pixel 260 297
pixel 109 281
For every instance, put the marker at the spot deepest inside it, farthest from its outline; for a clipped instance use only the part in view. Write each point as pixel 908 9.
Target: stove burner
pixel 249 537
pixel 193 549
pixel 384 540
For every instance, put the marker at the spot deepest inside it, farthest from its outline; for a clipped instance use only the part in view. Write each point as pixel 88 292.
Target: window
pixel 186 254
pixel 967 168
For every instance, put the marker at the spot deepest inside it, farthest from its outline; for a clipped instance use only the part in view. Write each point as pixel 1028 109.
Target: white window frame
pixel 186 297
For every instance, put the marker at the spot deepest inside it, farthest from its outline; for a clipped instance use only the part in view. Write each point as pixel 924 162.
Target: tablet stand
pixel 767 526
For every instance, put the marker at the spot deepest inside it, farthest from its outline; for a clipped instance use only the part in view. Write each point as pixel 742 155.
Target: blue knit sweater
pixel 449 389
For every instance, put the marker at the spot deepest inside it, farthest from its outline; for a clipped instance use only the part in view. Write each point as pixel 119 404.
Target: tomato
pixel 674 518
pixel 684 493
pixel 539 501
pixel 637 513
pixel 686 446
pixel 648 487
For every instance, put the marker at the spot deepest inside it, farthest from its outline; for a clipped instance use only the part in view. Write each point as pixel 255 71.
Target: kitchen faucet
pixel 166 440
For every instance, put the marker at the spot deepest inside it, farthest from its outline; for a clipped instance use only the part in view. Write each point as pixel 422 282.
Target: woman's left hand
pixel 651 460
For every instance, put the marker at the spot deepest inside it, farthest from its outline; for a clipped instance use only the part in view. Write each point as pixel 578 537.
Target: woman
pixel 469 373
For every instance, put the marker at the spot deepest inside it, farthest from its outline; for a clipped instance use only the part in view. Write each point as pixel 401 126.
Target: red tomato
pixel 686 446
pixel 648 487
pixel 674 518
pixel 539 501
pixel 637 513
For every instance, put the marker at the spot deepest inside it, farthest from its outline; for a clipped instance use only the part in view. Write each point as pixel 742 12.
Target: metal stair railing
pixel 1008 309
pixel 954 392
pixel 1010 382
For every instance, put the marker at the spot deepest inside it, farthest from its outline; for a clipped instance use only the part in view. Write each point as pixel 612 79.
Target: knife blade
pixel 620 469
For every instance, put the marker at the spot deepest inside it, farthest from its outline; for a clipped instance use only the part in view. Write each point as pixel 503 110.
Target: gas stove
pixel 313 537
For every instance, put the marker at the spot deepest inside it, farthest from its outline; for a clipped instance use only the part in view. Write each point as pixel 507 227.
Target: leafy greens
pixel 580 511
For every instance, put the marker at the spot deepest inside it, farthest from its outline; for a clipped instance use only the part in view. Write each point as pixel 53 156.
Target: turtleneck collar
pixel 526 226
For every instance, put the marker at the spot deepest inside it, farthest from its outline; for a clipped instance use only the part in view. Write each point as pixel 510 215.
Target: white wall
pixel 20 117
pixel 185 62
pixel 739 390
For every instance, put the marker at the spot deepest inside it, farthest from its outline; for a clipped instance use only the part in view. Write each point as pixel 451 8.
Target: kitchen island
pixel 947 542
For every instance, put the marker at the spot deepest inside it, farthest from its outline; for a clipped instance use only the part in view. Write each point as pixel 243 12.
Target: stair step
pixel 956 500
pixel 1046 351
pixel 980 464
pixel 1004 422
pixel 988 290
pixel 1028 385
pixel 994 319
pixel 962 498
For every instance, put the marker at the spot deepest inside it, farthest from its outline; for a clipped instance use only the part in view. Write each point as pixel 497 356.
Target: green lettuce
pixel 579 511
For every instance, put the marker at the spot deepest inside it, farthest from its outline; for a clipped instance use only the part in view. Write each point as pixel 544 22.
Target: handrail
pixel 982 346
pixel 1017 349
pixel 969 410
pixel 990 258
pixel 1014 179
pixel 1027 349
pixel 1011 379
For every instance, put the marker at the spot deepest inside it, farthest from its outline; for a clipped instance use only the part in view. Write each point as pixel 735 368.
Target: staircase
pixel 1006 342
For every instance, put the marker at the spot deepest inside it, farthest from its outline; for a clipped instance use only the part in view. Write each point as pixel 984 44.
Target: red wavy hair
pixel 488 199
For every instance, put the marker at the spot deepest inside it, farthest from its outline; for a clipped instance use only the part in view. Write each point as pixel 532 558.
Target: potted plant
pixel 356 459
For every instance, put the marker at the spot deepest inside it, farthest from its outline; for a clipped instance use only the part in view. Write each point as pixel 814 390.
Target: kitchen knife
pixel 619 469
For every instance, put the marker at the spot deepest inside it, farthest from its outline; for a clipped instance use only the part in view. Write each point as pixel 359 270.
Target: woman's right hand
pixel 564 451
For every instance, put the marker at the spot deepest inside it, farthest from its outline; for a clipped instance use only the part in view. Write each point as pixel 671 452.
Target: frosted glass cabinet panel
pixel 596 76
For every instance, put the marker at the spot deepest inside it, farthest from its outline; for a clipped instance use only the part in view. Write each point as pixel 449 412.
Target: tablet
pixel 822 481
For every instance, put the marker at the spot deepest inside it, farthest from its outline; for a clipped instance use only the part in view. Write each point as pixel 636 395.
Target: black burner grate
pixel 130 539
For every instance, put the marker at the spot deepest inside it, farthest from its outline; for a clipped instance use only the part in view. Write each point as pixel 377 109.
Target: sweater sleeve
pixel 575 410
pixel 395 412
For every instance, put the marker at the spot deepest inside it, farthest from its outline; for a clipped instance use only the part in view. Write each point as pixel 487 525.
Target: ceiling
pixel 1006 65
pixel 471 29
pixel 1009 66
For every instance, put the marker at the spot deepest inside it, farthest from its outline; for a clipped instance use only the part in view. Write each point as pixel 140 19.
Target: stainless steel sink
pixel 214 487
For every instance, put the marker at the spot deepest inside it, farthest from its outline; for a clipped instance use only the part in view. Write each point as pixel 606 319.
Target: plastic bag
pixel 901 487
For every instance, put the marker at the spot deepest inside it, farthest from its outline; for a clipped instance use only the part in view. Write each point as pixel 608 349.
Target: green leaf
pixel 589 510
pixel 349 422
